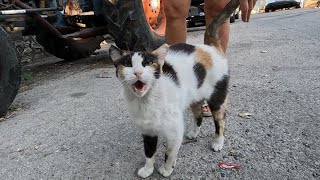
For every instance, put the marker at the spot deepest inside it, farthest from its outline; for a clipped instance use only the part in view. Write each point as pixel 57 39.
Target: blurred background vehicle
pixel 196 15
pixel 281 5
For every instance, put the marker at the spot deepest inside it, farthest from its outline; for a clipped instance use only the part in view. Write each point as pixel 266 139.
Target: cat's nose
pixel 138 74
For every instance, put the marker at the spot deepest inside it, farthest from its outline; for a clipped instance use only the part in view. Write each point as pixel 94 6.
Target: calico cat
pixel 160 85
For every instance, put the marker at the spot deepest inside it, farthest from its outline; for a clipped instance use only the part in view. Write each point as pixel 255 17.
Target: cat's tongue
pixel 138 86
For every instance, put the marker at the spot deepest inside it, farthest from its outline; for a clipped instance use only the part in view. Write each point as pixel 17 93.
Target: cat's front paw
pixel 192 135
pixel 145 172
pixel 217 143
pixel 165 172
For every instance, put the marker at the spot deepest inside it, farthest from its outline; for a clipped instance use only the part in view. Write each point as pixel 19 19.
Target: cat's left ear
pixel 161 53
pixel 115 53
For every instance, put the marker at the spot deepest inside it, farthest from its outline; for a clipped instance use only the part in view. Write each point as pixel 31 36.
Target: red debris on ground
pixel 226 165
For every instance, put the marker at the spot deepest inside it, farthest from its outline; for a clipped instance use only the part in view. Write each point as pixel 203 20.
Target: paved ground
pixel 72 124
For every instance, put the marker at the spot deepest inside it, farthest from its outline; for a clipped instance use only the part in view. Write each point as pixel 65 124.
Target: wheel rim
pixel 154 13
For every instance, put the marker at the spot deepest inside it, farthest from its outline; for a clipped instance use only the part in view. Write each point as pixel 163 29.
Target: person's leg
pixel 176 13
pixel 211 9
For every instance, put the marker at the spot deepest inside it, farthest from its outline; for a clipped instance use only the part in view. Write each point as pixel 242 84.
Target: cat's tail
pixel 211 36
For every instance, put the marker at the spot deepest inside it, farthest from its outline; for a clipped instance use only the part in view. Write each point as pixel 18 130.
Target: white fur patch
pixel 145 172
pixel 217 143
pixel 165 172
pixel 193 133
pixel 137 61
pixel 148 168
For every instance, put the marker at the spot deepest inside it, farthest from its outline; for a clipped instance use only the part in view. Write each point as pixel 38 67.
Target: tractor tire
pixel 131 30
pixel 10 72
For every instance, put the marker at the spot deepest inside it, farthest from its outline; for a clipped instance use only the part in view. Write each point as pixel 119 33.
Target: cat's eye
pixel 148 63
pixel 127 63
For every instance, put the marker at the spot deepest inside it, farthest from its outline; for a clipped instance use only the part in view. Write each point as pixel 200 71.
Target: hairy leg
pixel 150 147
pixel 176 13
pixel 197 120
pixel 211 9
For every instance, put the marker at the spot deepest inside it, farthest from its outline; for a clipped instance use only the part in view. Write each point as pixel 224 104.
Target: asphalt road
pixel 74 125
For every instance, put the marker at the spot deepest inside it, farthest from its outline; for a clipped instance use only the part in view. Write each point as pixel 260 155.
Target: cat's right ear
pixel 161 53
pixel 115 53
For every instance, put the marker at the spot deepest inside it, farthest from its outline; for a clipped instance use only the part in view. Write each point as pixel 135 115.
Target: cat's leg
pixel 150 147
pixel 218 106
pixel 219 122
pixel 173 144
pixel 197 120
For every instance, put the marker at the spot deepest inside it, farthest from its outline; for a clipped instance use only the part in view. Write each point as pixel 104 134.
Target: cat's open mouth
pixel 139 87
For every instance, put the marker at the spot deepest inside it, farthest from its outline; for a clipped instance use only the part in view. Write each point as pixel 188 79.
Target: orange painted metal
pixel 154 13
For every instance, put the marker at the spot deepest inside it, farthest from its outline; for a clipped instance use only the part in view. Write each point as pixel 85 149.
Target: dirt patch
pixel 43 66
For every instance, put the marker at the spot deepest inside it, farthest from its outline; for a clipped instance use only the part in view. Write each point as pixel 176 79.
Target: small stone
pixel 314 174
pixel 245 115
pixel 263 51
pixel 306 145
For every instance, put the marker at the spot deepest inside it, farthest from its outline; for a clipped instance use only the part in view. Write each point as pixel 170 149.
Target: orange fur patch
pixel 215 43
pixel 220 116
pixel 120 71
pixel 203 58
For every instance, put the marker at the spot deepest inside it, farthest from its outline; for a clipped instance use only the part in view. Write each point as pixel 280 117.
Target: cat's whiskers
pixel 123 86
pixel 120 88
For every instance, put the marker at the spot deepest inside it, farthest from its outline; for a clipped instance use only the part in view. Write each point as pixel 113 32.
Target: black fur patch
pixel 183 47
pixel 169 71
pixel 148 59
pixel 217 126
pixel 165 157
pixel 150 145
pixel 219 95
pixel 124 61
pixel 199 120
pixel 200 73
pixel 157 72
